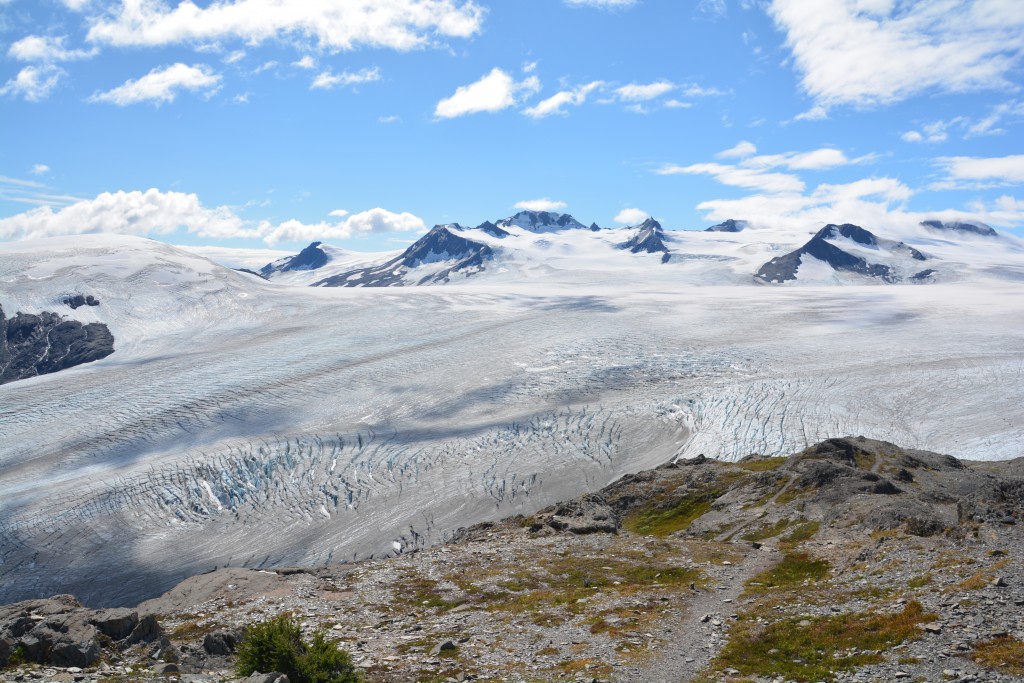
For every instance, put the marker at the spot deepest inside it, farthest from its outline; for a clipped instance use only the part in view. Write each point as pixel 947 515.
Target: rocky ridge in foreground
pixel 853 560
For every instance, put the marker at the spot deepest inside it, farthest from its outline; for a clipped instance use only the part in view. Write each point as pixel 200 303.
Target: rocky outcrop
pixel 649 239
pixel 60 632
pixel 33 345
pixel 731 225
pixel 76 300
pixel 961 227
pixel 310 258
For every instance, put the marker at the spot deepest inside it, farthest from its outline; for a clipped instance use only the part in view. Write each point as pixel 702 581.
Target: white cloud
pixel 34 83
pixel 333 24
pixel 373 221
pixel 307 62
pixel 40 169
pixel 544 204
pixel 713 8
pixel 161 213
pixel 756 172
pixel 741 149
pixel 637 92
pixel 694 90
pixel 556 103
pixel 328 80
pixel 677 104
pixel 492 93
pixel 127 213
pixel 338 213
pixel 236 56
pixel 973 172
pixel 392 118
pixel 870 53
pixel 162 85
pixel 631 216
pixel 47 49
pixel 736 176
pixel 601 4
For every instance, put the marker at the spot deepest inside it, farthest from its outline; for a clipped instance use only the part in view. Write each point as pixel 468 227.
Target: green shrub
pixel 277 645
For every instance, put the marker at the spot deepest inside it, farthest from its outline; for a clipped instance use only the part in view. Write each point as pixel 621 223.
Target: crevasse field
pixel 249 423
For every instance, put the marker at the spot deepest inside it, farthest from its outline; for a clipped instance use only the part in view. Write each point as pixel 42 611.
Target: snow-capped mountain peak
pixel 540 221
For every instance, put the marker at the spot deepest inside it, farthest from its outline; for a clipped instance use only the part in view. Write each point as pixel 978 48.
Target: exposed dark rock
pixel 76 300
pixel 588 514
pixel 442 243
pixel 594 227
pixel 310 258
pixel 116 623
pixel 730 225
pixel 540 221
pixel 958 226
pixel 220 644
pixel 492 229
pixel 252 272
pixel 784 268
pixel 923 275
pixel 649 239
pixel 33 345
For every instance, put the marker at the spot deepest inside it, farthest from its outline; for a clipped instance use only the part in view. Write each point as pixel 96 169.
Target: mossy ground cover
pixel 816 648
pixel 1005 654
pixel 795 569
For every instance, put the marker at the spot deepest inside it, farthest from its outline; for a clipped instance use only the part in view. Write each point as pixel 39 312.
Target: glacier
pixel 249 423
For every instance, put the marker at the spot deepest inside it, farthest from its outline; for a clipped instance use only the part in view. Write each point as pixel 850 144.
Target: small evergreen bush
pixel 277 645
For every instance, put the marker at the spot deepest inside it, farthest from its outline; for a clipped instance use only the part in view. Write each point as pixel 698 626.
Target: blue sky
pixel 259 123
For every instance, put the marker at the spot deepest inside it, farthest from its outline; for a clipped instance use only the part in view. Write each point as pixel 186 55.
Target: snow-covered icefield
pixel 246 423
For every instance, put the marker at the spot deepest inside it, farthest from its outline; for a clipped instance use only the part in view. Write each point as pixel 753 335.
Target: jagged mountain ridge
pixel 557 246
pixel 846 248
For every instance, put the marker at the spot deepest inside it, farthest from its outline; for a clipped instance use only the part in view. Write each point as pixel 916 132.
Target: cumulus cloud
pixel 641 92
pixel 543 204
pixel 307 62
pixel 333 24
pixel 556 103
pixel 162 85
pixel 329 81
pixel 40 169
pixel 47 49
pixel 631 216
pixel 737 176
pixel 871 53
pixel 979 172
pixel 34 83
pixel 741 149
pixel 492 93
pixel 161 213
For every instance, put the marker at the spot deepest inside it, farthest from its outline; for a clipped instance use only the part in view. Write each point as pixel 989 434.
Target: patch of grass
pixel 762 464
pixel 920 581
pixel 422 592
pixel 767 531
pixel 662 520
pixel 819 649
pixel 803 532
pixel 1005 654
pixel 793 570
pixel 16 658
pixel 192 630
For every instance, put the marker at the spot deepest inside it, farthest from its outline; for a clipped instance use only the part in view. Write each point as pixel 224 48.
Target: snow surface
pixel 241 422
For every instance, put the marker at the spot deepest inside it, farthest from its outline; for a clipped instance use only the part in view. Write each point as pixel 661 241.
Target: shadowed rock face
pixel 730 225
pixel 957 226
pixel 649 239
pixel 310 258
pixel 783 268
pixel 440 244
pixel 33 345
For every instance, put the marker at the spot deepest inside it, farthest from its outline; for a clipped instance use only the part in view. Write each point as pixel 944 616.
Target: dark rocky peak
pixel 958 226
pixel 310 258
pixel 649 239
pixel 731 225
pixel 76 300
pixel 594 227
pixel 540 221
pixel 32 344
pixel 849 231
pixel 441 244
pixel 492 229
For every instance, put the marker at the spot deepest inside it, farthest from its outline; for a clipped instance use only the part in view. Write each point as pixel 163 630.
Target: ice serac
pixel 310 258
pixel 444 248
pixel 32 345
pixel 845 248
pixel 960 227
pixel 649 239
pixel 731 225
pixel 541 221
